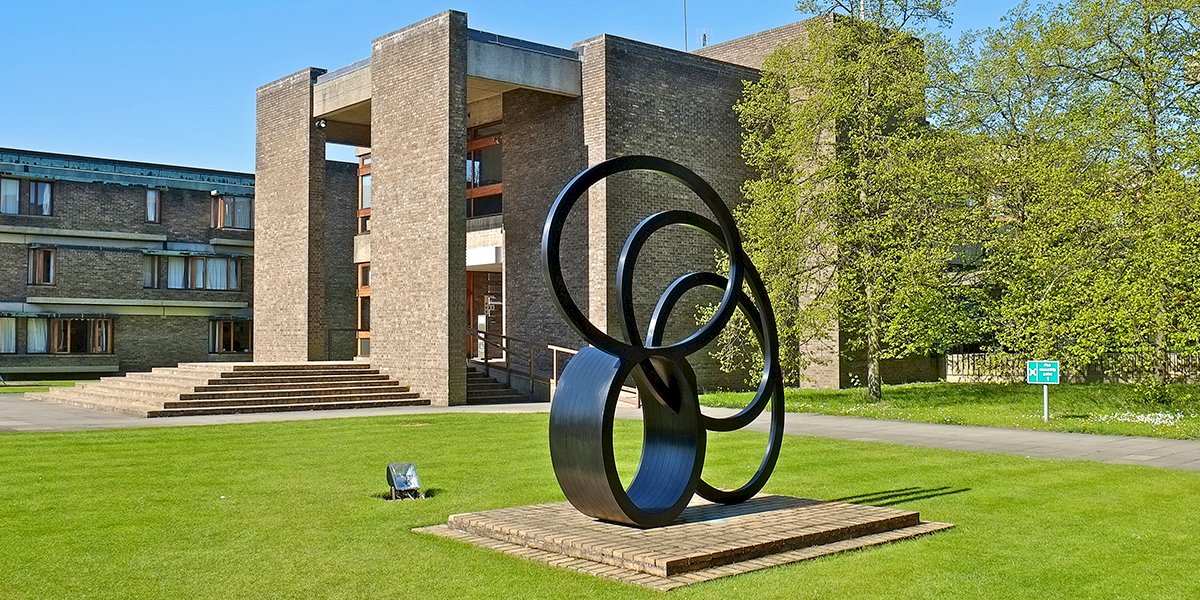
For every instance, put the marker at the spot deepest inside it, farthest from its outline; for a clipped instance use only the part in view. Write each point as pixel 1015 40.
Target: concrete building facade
pixel 440 249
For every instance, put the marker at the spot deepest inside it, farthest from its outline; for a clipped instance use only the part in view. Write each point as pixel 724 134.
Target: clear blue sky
pixel 173 82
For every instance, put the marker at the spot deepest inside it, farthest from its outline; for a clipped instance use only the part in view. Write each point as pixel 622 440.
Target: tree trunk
pixel 874 382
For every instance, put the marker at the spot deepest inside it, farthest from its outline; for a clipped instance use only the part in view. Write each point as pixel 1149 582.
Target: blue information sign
pixel 1043 372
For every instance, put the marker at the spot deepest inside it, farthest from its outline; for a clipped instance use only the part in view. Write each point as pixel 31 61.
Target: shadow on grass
pixel 900 495
pixel 429 493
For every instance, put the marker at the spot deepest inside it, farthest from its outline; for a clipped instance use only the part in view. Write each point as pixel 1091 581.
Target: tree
pixel 1084 120
pixel 858 208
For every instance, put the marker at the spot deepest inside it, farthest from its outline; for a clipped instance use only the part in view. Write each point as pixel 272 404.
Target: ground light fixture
pixel 402 478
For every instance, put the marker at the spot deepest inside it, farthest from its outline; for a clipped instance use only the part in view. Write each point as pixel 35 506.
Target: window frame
pixel 475 143
pixel 18 195
pixel 93 327
pixel 14 334
pixel 157 205
pixel 220 214
pixel 36 276
pixel 221 331
pixel 364 213
pixel 29 196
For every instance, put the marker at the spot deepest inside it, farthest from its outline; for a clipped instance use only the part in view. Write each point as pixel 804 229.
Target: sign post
pixel 1044 372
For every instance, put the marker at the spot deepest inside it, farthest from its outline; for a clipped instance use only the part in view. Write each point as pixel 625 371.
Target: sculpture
pixel 581 416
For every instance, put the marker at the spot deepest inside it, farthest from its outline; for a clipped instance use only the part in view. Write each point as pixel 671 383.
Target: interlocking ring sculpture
pixel 675 431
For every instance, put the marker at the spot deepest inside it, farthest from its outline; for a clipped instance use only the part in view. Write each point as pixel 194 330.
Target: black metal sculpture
pixel 581 416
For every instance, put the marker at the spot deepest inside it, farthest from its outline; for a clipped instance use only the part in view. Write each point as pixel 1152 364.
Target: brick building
pixel 427 249
pixel 110 265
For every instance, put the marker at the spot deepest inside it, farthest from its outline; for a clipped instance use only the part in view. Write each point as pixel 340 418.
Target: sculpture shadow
pixel 900 495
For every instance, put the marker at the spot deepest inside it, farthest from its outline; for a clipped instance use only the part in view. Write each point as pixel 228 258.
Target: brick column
pixel 289 222
pixel 418 212
pixel 543 149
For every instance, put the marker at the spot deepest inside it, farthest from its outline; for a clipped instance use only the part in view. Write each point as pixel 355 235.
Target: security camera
pixel 320 123
pixel 214 193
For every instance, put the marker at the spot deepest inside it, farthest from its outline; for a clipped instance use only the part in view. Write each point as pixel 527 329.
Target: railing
pixel 514 353
pixel 628 393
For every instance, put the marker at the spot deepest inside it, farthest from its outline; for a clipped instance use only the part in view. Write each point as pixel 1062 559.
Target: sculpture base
pixel 706 542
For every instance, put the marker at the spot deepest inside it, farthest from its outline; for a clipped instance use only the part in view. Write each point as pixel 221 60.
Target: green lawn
pixel 294 510
pixel 1091 408
pixel 20 386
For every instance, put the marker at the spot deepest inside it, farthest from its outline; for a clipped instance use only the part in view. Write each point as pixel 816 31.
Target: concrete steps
pixel 228 388
pixel 482 389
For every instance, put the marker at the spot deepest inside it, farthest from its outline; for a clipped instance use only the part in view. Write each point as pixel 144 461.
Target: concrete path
pixel 20 414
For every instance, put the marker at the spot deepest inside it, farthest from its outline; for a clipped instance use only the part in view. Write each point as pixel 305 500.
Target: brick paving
pixel 707 542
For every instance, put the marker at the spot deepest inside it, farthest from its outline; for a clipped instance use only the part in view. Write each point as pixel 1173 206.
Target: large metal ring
pixel 675 431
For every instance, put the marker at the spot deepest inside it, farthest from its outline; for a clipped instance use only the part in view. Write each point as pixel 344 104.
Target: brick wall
pixel 289 220
pixel 185 215
pixel 341 277
pixel 643 99
pixel 418 212
pixel 752 50
pixel 543 149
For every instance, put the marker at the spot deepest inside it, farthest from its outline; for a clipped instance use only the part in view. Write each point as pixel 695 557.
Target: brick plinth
pixel 707 542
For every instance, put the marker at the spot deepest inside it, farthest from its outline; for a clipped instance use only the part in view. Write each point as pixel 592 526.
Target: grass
pixel 294 509
pixel 1092 408
pixel 33 385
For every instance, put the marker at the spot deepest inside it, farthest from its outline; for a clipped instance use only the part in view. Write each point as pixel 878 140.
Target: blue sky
pixel 173 81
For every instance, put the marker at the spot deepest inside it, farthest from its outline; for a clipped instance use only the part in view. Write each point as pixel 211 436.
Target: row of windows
pixel 182 272
pixel 192 272
pixel 228 212
pixel 95 336
pixel 36 202
pixel 58 336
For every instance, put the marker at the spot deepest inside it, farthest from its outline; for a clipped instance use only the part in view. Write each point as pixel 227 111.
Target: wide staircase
pixel 228 388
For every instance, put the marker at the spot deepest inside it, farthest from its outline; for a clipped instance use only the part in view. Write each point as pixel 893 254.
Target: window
pixel 364 313
pixel 176 272
pixel 41 266
pixel 364 275
pixel 37 338
pixel 485 168
pixel 8 335
pixel 152 206
pixel 227 337
pixel 364 193
pixel 39 198
pixel 199 273
pixel 10 196
pixel 149 271
pixel 81 336
pixel 233 212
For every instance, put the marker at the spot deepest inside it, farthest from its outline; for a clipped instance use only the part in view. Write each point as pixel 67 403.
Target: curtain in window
pixel 10 196
pixel 197 274
pixel 38 336
pixel 152 206
pixel 217 277
pixel 242 215
pixel 234 281
pixel 176 267
pixel 39 197
pixel 8 335
pixel 102 335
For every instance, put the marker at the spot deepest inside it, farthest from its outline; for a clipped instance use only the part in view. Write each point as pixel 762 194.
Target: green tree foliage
pixel 1083 119
pixel 859 207
pixel 1035 188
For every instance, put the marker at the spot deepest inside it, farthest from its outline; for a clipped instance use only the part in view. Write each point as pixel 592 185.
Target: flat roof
pixel 90 169
pixel 473 35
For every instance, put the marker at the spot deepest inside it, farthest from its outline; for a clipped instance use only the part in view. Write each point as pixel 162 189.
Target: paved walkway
pixel 20 414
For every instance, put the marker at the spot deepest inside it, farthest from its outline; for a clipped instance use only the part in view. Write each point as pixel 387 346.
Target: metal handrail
pixel 555 350
pixel 508 347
